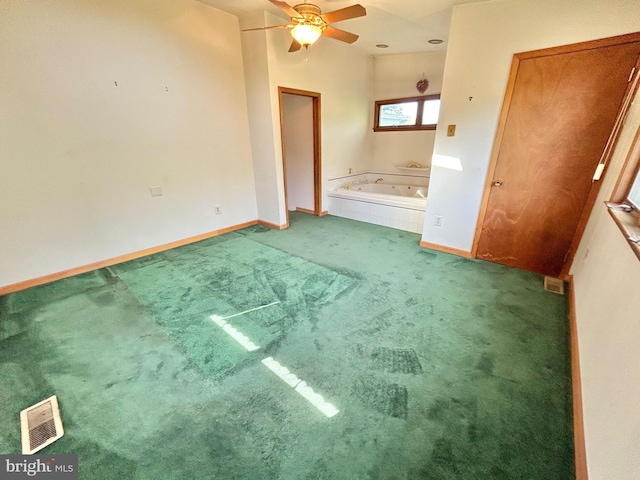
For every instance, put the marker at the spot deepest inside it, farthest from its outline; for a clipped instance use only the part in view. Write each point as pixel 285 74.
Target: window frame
pixel 625 215
pixel 632 179
pixel 627 221
pixel 404 128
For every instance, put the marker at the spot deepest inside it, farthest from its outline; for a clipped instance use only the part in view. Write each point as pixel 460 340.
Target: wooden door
pixel 562 109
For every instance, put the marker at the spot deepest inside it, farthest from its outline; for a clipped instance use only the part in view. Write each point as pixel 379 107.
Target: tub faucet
pixel 379 180
pixel 347 186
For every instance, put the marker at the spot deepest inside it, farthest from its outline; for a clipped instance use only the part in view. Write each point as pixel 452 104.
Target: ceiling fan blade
pixel 267 28
pixel 341 35
pixel 295 46
pixel 286 8
pixel 354 11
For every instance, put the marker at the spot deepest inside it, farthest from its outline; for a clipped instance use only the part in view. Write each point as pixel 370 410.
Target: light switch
pixel 451 130
pixel 156 191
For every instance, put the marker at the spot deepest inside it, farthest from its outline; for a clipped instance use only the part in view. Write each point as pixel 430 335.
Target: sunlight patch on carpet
pixel 301 387
pixel 234 333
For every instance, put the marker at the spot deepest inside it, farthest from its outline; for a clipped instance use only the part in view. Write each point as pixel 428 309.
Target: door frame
pixel 606 155
pixel 317 157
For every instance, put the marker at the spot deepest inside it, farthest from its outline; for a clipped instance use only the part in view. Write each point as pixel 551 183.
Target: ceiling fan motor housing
pixel 309 14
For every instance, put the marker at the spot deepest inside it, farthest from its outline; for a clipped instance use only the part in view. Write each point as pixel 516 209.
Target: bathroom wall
pixel 101 100
pixel 395 76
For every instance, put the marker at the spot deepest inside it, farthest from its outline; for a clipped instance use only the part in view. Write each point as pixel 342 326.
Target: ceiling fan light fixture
pixel 308 23
pixel 306 34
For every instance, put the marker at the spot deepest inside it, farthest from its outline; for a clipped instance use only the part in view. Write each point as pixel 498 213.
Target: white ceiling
pixel 404 25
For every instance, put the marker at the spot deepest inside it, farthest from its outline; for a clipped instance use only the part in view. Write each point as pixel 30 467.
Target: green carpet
pixel 440 367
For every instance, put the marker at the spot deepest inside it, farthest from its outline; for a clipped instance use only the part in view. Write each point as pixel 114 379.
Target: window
pixel 402 114
pixel 633 197
pixel 627 192
pixel 624 205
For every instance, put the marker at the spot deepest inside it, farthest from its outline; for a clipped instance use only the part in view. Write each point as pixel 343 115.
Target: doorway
pixel 559 111
pixel 300 136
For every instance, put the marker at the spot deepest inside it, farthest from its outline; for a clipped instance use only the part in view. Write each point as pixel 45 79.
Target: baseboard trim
pixel 305 210
pixel 52 277
pixel 442 248
pixel 576 390
pixel 311 212
pixel 273 225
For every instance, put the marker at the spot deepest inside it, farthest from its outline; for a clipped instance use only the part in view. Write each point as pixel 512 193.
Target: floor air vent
pixel 41 425
pixel 554 285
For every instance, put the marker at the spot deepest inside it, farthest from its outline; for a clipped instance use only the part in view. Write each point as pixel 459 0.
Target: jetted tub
pixel 396 190
pixel 396 206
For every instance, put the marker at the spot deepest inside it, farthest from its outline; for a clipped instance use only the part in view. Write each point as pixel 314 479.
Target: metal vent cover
pixel 554 285
pixel 40 425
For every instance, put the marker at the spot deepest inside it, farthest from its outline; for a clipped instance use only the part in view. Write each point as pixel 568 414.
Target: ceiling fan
pixel 308 23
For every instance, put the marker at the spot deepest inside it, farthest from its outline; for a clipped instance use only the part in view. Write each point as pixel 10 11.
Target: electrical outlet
pixel 218 210
pixel 438 221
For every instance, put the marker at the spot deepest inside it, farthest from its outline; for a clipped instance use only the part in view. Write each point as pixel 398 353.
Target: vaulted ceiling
pixel 405 25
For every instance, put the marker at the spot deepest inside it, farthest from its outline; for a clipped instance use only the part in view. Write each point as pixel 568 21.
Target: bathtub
pixel 395 190
pixel 395 206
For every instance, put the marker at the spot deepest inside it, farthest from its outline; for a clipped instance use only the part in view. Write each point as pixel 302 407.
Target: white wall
pixel 297 130
pixel 483 38
pixel 78 153
pixel 268 185
pixel 395 76
pixel 343 77
pixel 606 276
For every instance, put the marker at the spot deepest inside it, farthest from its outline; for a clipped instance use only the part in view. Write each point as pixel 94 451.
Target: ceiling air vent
pixel 554 285
pixel 41 425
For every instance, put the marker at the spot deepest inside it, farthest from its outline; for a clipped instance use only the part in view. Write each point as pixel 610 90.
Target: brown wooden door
pixel 562 110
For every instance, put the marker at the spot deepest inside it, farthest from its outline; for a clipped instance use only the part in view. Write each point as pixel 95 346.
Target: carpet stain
pixel 442 456
pixel 437 409
pixel 386 398
pixel 480 310
pixel 103 299
pixel 396 360
pixel 499 473
pixel 486 363
pixel 411 302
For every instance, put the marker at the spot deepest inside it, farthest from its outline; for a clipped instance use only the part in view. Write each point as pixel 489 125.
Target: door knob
pixel 497 183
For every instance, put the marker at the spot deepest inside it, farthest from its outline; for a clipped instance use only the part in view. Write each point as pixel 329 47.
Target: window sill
pixel 628 224
pixel 409 128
